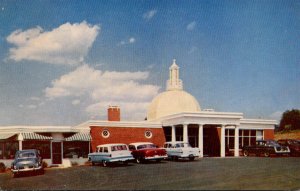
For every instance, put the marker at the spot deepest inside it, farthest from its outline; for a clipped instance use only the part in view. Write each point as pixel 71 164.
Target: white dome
pixel 171 102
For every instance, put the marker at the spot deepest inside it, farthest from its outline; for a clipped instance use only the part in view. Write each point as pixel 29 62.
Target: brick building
pixel 173 115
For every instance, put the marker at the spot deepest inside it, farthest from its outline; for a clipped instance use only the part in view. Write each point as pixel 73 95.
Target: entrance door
pixel 211 142
pixel 56 153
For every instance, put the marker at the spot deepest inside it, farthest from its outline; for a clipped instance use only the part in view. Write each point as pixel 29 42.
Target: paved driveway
pixel 207 173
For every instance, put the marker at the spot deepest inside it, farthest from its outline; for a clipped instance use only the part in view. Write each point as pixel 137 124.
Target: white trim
pixel 36 129
pixel 141 124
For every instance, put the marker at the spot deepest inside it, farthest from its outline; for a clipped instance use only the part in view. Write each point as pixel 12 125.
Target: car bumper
pixel 120 159
pixel 156 157
pixel 26 169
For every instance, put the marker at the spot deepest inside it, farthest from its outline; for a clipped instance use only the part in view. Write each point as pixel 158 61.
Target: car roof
pixel 140 143
pixel 28 150
pixel 175 142
pixel 111 144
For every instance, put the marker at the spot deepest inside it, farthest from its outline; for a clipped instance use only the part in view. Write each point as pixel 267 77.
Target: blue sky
pixel 64 62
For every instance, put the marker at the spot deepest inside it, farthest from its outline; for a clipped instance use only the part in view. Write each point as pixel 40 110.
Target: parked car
pixel 293 144
pixel 181 150
pixel 27 160
pixel 144 151
pixel 73 152
pixel 111 153
pixel 265 147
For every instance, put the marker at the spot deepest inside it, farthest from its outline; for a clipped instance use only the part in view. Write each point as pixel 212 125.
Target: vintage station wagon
pixel 181 150
pixel 111 153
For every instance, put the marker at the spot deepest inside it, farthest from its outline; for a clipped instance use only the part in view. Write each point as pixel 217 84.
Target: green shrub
pixel 2 167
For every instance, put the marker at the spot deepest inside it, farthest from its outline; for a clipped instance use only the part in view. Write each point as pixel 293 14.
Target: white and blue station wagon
pixel 110 153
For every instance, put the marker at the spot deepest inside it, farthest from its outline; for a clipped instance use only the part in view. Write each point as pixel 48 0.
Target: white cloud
pixel 276 115
pixel 131 40
pixel 150 14
pixel 31 106
pixel 104 88
pixel 75 102
pixel 191 26
pixel 34 98
pixel 68 44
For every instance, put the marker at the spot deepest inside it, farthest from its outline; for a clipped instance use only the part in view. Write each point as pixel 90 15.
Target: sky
pixel 64 62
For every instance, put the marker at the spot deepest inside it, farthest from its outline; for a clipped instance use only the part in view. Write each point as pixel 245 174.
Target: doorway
pixel 56 153
pixel 211 141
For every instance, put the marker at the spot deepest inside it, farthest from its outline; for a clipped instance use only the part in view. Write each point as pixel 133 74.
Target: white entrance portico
pixel 200 120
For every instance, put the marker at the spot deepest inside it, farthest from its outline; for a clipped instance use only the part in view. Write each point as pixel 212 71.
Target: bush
pixel 45 164
pixel 2 167
pixel 74 164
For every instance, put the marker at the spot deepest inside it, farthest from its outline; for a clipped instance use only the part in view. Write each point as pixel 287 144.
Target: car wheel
pixel 15 175
pixel 176 158
pixel 125 162
pixel 158 160
pixel 246 153
pixel 139 160
pixel 191 158
pixel 266 153
pixel 104 163
pixel 93 163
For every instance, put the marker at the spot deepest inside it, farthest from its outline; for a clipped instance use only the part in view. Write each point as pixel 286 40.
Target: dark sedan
pixel 293 144
pixel 265 147
pixel 26 161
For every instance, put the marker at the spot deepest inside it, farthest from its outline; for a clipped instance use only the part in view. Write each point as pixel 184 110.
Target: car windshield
pixel 118 148
pixel 146 146
pixel 182 145
pixel 26 155
pixel 272 143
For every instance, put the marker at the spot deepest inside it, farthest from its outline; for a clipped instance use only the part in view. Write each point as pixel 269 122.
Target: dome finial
pixel 174 83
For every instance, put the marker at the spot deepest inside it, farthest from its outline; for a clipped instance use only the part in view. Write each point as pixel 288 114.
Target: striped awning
pixel 79 137
pixel 35 136
pixel 6 135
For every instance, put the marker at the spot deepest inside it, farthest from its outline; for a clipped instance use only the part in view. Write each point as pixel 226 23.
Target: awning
pixel 6 135
pixel 35 136
pixel 79 137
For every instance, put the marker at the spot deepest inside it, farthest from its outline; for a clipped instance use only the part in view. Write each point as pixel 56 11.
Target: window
pixel 105 149
pixel 148 134
pixel 105 133
pixel 249 137
pixel 131 147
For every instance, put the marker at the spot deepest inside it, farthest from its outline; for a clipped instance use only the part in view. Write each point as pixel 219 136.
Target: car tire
pixel 176 158
pixel 15 175
pixel 139 160
pixel 267 154
pixel 93 163
pixel 104 163
pixel 246 153
pixel 125 162
pixel 191 158
pixel 158 160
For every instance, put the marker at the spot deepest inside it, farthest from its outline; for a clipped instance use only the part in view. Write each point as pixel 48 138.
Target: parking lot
pixel 207 173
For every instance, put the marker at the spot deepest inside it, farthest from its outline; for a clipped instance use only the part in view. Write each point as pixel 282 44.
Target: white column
pixel 200 139
pixel 185 133
pixel 20 139
pixel 173 136
pixel 236 141
pixel 223 141
pixel 20 145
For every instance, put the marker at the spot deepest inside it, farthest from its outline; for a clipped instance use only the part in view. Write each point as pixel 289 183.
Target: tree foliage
pixel 290 120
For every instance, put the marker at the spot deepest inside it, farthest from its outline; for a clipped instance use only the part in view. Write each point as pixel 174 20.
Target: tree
pixel 290 120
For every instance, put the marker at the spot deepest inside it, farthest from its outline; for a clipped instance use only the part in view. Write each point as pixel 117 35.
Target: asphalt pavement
pixel 252 173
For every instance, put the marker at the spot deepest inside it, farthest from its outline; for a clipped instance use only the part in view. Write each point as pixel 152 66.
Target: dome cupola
pixel 174 99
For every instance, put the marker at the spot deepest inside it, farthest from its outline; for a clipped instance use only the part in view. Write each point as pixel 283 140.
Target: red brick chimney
pixel 113 113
